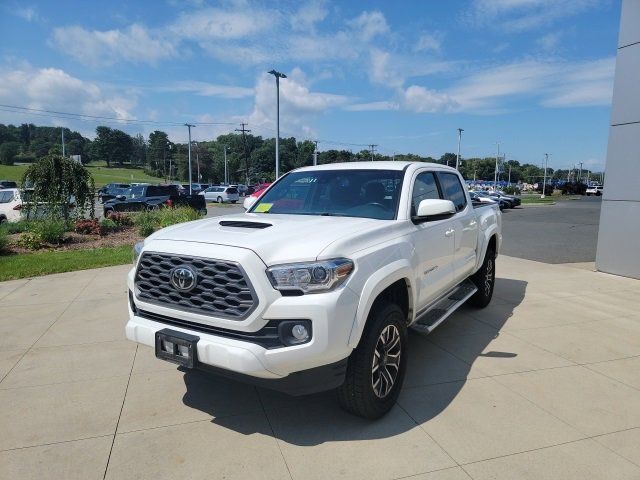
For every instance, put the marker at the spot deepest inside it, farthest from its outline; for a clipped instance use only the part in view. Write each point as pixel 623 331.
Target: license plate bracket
pixel 177 347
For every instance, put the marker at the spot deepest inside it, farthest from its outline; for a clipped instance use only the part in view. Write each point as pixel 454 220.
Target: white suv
pixel 221 194
pixel 10 205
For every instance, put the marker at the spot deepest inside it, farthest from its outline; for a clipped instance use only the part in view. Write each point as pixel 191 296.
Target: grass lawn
pixel 44 263
pixel 101 174
pixel 529 199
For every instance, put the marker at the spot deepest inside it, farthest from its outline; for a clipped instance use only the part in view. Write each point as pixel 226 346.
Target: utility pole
pixel 544 182
pixel 372 147
pixel 226 179
pixel 278 76
pixel 460 130
pixel 188 125
pixel 63 142
pixel 244 145
pixel 315 154
pixel 197 160
pixel 495 175
pixel 509 174
pixel 580 173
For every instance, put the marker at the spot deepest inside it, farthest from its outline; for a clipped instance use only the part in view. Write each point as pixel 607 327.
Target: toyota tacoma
pixel 316 285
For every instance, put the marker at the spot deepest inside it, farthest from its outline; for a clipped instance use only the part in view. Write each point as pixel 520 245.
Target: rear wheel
pixel 376 367
pixel 219 200
pixel 484 279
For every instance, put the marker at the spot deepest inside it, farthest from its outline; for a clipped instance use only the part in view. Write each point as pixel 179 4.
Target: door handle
pixel 449 232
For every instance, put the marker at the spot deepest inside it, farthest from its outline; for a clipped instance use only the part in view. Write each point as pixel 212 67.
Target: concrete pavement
pixel 544 383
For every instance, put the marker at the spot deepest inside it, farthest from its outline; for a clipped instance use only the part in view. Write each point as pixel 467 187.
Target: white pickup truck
pixel 315 286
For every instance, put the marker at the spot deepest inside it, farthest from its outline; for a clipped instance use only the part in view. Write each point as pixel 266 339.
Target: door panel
pixel 465 226
pixel 433 243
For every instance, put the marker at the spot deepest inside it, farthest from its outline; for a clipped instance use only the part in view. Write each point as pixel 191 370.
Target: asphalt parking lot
pixel 544 383
pixel 566 232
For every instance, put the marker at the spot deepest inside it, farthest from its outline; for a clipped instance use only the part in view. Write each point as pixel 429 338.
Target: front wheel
pixel 376 368
pixel 484 279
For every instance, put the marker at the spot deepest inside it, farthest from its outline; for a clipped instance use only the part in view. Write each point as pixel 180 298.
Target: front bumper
pixel 331 314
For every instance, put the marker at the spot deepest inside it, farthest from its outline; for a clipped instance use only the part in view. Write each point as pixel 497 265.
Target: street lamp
pixel 495 175
pixel 188 125
pixel 226 180
pixel 278 76
pixel 460 130
pixel 544 182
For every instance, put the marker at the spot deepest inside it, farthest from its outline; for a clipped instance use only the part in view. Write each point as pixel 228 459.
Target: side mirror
pixel 430 210
pixel 250 202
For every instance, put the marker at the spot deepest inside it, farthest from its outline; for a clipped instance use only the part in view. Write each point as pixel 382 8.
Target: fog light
pixel 299 332
pixel 167 346
pixel 183 350
pixel 294 332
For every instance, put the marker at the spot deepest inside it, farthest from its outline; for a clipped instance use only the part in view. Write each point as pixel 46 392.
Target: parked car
pixel 7 184
pixel 111 190
pixel 502 203
pixel 242 189
pixel 480 199
pixel 319 294
pixel 221 194
pixel 10 205
pixel 149 197
pixel 513 199
pixel 259 190
pixel 594 190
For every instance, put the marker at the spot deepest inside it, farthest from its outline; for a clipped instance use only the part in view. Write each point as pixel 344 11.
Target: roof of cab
pixel 371 165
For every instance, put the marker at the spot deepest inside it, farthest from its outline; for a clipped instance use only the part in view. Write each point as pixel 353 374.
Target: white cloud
pixel 215 24
pixel 549 41
pixel 54 89
pixel 298 104
pixel 370 24
pixel 555 83
pixel 372 106
pixel 429 42
pixel 308 15
pixel 423 100
pixel 208 89
pixel 521 15
pixel 133 44
pixel 30 14
pixel 393 69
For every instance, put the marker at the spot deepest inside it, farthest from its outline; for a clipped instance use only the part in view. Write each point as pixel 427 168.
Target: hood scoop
pixel 244 224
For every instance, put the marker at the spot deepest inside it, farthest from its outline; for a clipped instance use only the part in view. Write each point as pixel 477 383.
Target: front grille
pixel 222 288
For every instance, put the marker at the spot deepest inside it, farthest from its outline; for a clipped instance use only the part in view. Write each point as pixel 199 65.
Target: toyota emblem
pixel 183 278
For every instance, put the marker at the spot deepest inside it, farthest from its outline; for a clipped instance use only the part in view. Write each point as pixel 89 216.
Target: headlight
pixel 310 277
pixel 137 248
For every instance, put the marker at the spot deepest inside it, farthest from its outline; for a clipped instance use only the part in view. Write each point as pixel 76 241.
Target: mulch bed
pixel 77 241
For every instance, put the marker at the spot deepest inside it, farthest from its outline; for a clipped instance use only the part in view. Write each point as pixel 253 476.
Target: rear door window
pixel 232 190
pixel 452 190
pixel 6 197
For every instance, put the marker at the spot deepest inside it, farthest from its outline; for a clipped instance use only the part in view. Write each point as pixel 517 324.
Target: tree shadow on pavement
pixel 316 419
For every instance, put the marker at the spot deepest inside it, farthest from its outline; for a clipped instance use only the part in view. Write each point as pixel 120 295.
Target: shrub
pixel 15 227
pixel 4 241
pixel 121 219
pixel 108 225
pixel 50 230
pixel 29 240
pixel 87 227
pixel 149 221
pixel 511 190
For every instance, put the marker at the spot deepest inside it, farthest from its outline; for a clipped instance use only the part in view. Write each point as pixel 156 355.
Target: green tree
pixel 159 153
pixel 8 152
pixel 112 146
pixel 56 180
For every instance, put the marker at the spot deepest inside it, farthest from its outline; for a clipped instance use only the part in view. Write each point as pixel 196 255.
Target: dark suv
pixel 150 197
pixel 112 190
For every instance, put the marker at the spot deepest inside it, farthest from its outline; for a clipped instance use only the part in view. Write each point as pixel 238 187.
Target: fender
pixel 381 279
pixel 485 236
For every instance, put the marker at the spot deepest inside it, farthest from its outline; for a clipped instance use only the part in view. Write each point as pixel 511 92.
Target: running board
pixel 438 312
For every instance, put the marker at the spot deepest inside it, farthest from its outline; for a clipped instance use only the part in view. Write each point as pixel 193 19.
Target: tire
pixel 3 220
pixel 365 391
pixel 588 194
pixel 234 201
pixel 108 213
pixel 485 280
pixel 219 200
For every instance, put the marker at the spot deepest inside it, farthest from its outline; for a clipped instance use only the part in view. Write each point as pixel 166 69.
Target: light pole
pixel 460 130
pixel 63 141
pixel 495 175
pixel 198 160
pixel 278 76
pixel 544 182
pixel 226 180
pixel 188 125
pixel 315 154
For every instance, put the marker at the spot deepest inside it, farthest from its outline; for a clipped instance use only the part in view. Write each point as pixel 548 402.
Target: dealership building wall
pixel 619 234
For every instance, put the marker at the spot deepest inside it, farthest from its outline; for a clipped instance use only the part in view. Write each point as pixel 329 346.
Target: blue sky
pixel 536 75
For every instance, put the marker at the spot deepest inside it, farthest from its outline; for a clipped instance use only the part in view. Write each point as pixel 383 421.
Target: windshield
pixel 344 193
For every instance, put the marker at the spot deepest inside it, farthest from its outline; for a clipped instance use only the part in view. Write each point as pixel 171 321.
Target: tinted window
pixel 452 190
pixel 136 192
pixel 425 187
pixel 349 193
pixel 232 191
pixel 6 197
pixel 161 191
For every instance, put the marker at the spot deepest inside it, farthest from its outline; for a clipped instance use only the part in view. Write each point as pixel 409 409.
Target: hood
pixel 275 238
